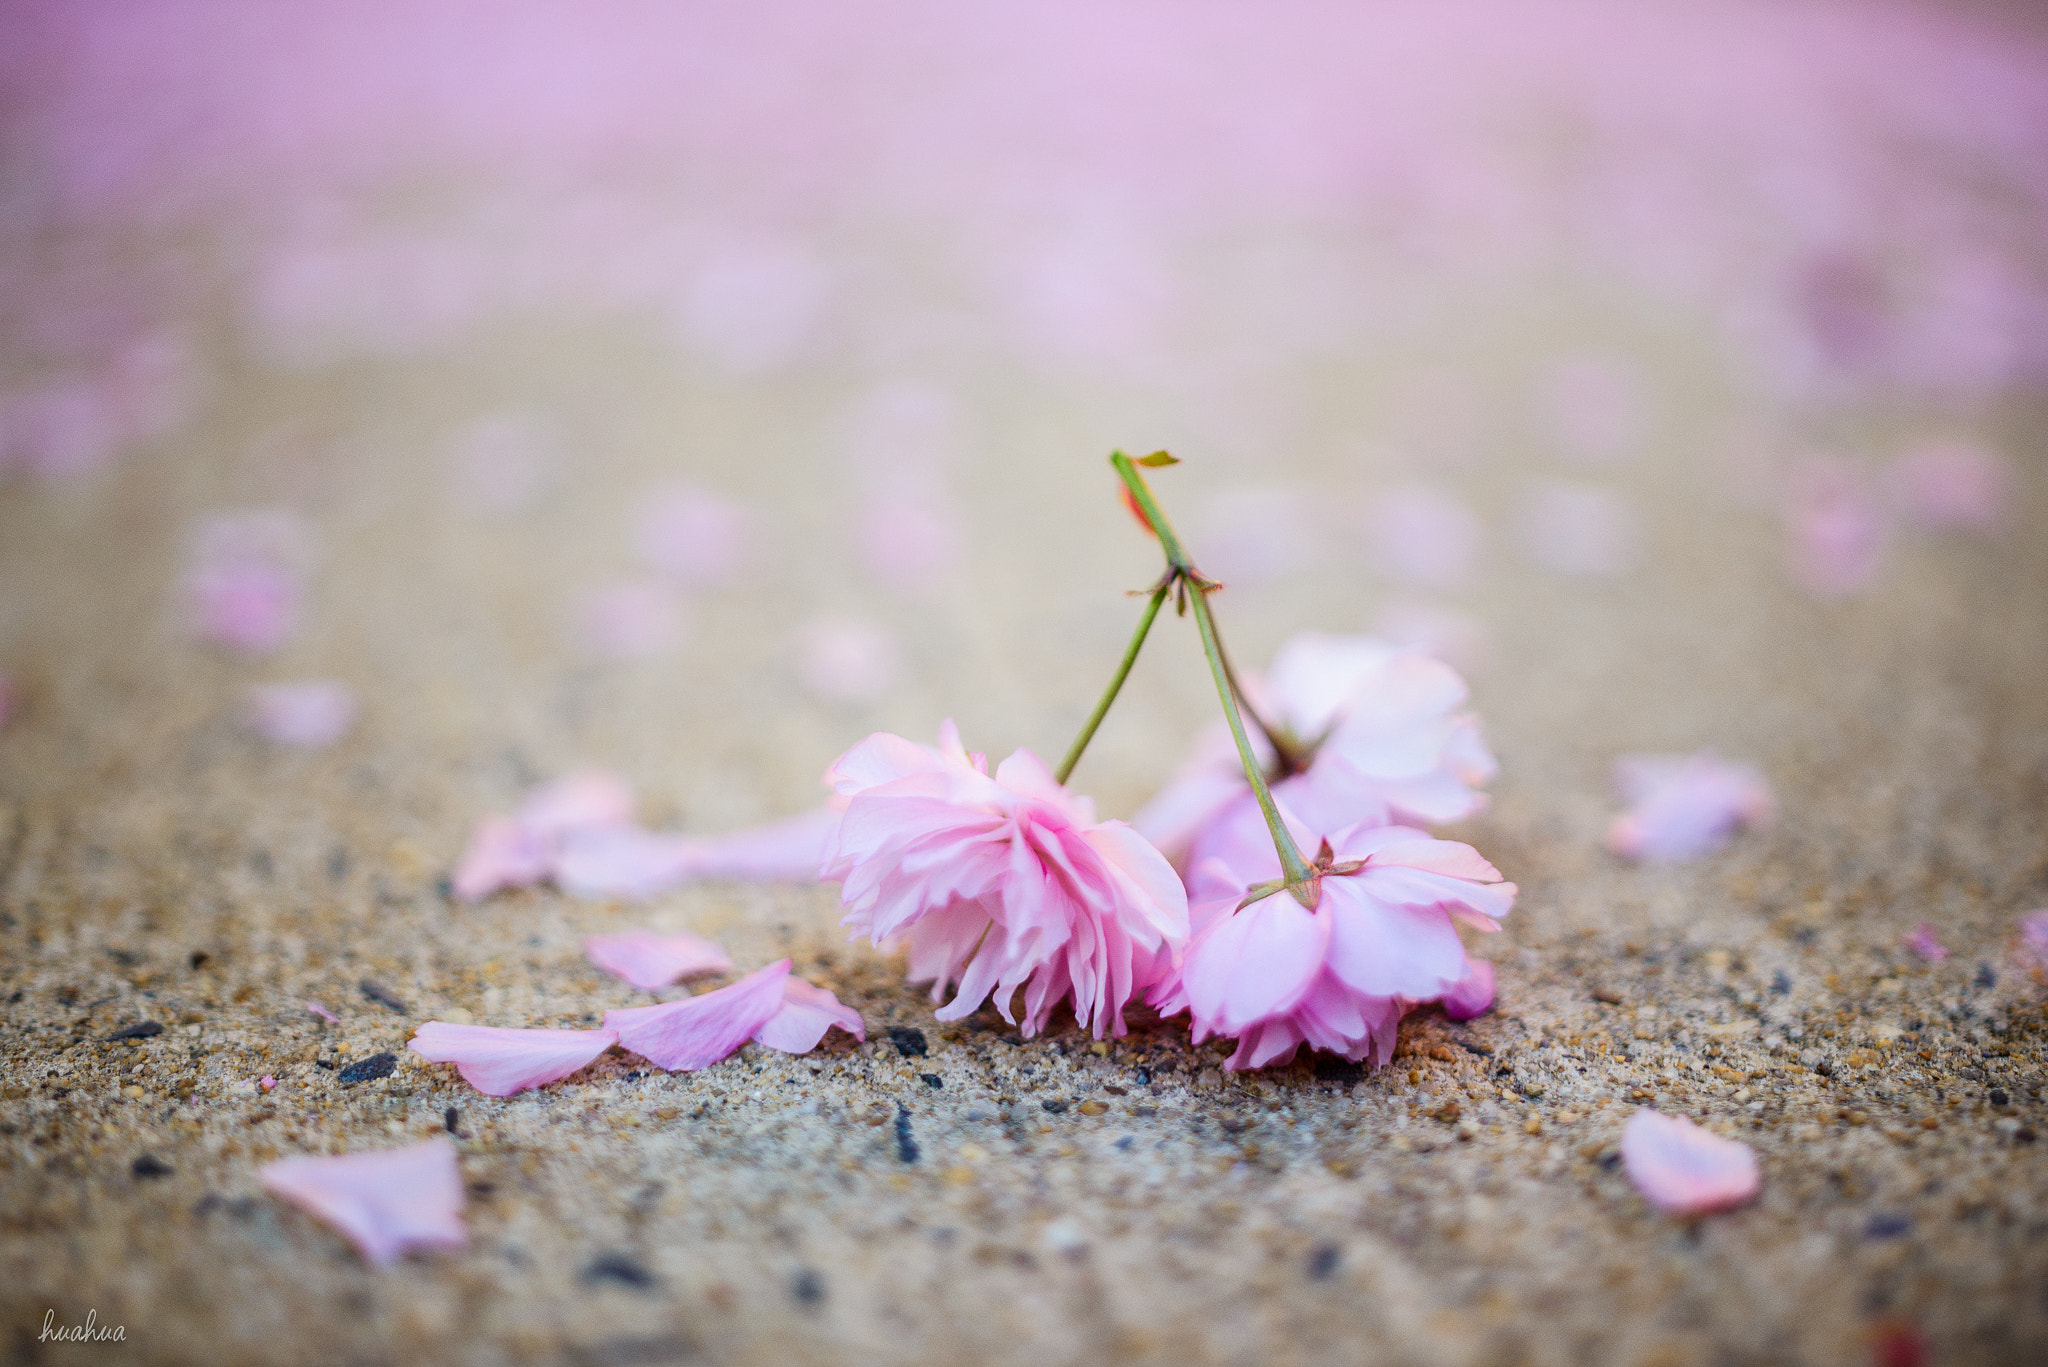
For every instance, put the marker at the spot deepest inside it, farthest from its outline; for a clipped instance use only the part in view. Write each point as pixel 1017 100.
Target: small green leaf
pixel 1158 458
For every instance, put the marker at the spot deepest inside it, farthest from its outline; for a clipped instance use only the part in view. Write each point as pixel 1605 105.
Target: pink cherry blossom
pixel 806 1013
pixel 619 862
pixel 2033 941
pixel 1683 1169
pixel 1382 937
pixel 1925 943
pixel 385 1203
pixel 999 882
pixel 266 1082
pixel 316 1009
pixel 502 1062
pixel 789 850
pixel 1953 485
pixel 692 535
pixel 1684 806
pixel 308 716
pixel 648 961
pixel 1391 745
pixel 767 1005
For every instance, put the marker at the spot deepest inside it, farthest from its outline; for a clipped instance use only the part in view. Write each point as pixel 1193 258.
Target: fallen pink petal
pixel 648 960
pixel 501 854
pixel 384 1203
pixel 316 1009
pixel 1472 996
pixel 306 716
pixel 623 862
pixel 696 1032
pixel 790 850
pixel 504 1062
pixel 1924 942
pixel 1683 1169
pixel 266 1082
pixel 1683 807
pixel 806 1013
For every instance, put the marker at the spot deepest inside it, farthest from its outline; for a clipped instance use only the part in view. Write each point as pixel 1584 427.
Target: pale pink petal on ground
pixel 806 1013
pixel 633 619
pixel 841 660
pixel 1838 530
pixel 251 608
pixel 1925 943
pixel 692 535
pixel 503 1062
pixel 1685 807
pixel 1596 409
pixel 647 960
pixel 791 850
pixel 2034 939
pixel 1953 486
pixel 385 1203
pixel 1582 530
pixel 266 1082
pixel 1456 638
pixel 1423 535
pixel 1683 1169
pixel 498 465
pixel 1473 996
pixel 696 1032
pixel 587 797
pixel 501 854
pixel 309 715
pixel 620 861
pixel 316 1009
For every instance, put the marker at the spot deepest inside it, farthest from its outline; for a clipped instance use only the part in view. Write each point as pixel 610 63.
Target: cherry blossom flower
pixel 385 1203
pixel 767 1005
pixel 1382 937
pixel 999 882
pixel 1684 806
pixel 1925 943
pixel 1683 1169
pixel 502 1062
pixel 308 716
pixel 1390 745
pixel 648 961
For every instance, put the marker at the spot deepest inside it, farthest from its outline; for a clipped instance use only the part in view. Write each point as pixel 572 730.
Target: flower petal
pixel 1382 948
pixel 806 1013
pixel 1255 964
pixel 697 1032
pixel 1683 1169
pixel 620 861
pixel 307 715
pixel 385 1203
pixel 1473 994
pixel 501 854
pixel 647 960
pixel 502 1062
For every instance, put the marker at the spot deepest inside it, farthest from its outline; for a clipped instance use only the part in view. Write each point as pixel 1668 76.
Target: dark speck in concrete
pixel 932 1079
pixel 369 1069
pixel 452 1118
pixel 909 1043
pixel 380 994
pixel 1987 976
pixel 1998 1097
pixel 620 1268
pixel 149 1165
pixel 808 1287
pixel 1143 1076
pixel 906 1144
pixel 139 1030
pixel 1781 982
pixel 1330 1068
pixel 1887 1227
pixel 1323 1260
pixel 1056 1107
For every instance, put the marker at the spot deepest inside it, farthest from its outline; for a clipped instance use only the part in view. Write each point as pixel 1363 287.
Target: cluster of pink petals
pixel 1925 943
pixel 649 961
pixel 1394 746
pixel 1683 1169
pixel 580 832
pixel 1684 806
pixel 307 716
pixel 999 883
pixel 1383 937
pixel 768 1006
pixel 385 1203
pixel 2033 941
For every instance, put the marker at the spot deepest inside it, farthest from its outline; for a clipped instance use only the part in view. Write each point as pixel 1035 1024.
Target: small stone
pixel 1987 976
pixel 906 1143
pixel 1092 1108
pixel 1998 1097
pixel 369 1069
pixel 381 994
pixel 807 1287
pixel 131 1091
pixel 139 1030
pixel 620 1268
pixel 1054 1107
pixel 1323 1261
pixel 909 1043
pixel 1857 1117
pixel 931 1079
pixel 1567 1117
pixel 1533 1125
pixel 1887 1227
pixel 149 1165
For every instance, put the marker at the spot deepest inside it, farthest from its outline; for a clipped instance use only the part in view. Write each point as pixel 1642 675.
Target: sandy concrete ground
pixel 948 1193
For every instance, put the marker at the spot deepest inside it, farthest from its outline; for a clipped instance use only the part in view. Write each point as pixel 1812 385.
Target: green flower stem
pixel 1115 684
pixel 1301 880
